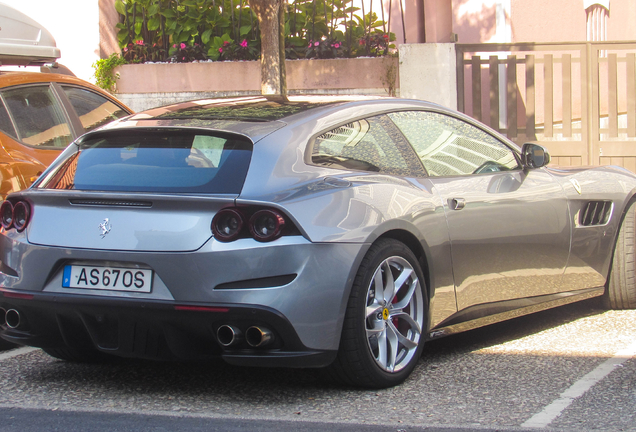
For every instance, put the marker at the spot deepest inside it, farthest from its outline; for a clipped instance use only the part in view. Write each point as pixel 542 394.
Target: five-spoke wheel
pixel 385 322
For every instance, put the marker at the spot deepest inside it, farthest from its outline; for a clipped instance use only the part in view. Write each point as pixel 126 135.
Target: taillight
pixel 15 216
pixel 21 214
pixel 6 215
pixel 227 225
pixel 262 224
pixel 266 225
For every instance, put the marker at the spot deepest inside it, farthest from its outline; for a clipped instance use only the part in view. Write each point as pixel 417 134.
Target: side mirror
pixel 534 155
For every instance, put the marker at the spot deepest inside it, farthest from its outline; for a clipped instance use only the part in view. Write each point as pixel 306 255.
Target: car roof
pixel 13 78
pixel 257 116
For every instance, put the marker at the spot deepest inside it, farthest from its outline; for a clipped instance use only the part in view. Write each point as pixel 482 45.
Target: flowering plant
pixel 141 52
pixel 225 48
pixel 376 44
pixel 182 53
pixel 325 49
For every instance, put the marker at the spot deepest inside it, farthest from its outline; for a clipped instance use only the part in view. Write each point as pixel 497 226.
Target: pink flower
pixel 139 42
pixel 385 36
pixel 220 50
pixel 174 46
pixel 336 45
pixel 183 46
pixel 316 43
pixel 244 43
pixel 125 49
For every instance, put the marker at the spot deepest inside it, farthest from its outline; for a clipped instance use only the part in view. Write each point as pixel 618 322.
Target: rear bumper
pixel 306 284
pixel 154 329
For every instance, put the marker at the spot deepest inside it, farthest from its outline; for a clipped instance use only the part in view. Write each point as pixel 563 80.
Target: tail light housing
pixel 261 224
pixel 227 225
pixel 15 215
pixel 266 225
pixel 6 215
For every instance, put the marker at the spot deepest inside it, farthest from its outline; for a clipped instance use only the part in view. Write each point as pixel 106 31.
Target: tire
pixel 620 291
pixel 382 338
pixel 79 356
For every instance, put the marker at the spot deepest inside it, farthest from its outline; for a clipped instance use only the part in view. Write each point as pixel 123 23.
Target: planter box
pixel 143 86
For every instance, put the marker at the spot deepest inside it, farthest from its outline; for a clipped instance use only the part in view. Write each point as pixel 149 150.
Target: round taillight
pixel 21 214
pixel 6 215
pixel 266 225
pixel 227 225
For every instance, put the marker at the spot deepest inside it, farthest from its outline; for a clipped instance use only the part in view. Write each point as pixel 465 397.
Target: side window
pixel 93 109
pixel 5 121
pixel 449 146
pixel 38 116
pixel 371 144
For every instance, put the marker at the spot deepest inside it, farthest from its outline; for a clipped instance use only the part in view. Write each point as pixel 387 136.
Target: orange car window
pixel 93 110
pixel 38 116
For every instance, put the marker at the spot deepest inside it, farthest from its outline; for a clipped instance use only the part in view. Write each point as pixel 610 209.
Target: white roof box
pixel 24 42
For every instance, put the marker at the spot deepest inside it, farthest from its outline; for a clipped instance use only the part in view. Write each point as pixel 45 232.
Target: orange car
pixel 40 114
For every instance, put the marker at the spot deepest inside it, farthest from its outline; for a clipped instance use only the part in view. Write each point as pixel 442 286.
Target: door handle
pixel 456 203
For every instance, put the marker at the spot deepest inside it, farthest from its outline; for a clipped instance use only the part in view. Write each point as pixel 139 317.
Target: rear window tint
pixel 155 161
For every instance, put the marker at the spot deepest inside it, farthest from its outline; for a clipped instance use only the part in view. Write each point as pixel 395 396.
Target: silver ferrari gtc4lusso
pixel 315 232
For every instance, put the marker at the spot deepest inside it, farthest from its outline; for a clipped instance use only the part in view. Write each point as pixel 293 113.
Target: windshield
pixel 155 161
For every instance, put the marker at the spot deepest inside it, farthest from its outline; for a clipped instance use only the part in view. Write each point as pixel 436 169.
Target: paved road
pixel 571 368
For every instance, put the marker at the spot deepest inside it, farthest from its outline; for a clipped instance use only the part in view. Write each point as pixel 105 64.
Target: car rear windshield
pixel 155 161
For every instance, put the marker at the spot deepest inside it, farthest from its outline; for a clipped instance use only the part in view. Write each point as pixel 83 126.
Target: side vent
pixel 595 213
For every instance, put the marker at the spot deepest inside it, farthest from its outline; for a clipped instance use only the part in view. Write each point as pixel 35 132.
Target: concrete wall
pixel 144 86
pixel 427 71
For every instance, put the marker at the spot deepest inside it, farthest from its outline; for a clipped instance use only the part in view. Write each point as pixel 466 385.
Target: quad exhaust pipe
pixel 228 335
pixel 256 337
pixel 12 318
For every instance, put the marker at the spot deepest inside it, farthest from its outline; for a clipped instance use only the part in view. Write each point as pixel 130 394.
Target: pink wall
pixel 621 24
pixel 549 20
pixel 474 21
pixel 439 20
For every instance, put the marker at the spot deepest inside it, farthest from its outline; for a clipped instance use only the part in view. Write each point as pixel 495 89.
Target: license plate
pixel 107 278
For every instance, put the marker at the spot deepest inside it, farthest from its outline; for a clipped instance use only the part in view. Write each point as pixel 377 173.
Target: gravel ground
pixel 497 376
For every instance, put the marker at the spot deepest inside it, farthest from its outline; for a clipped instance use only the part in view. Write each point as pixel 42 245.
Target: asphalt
pixel 493 378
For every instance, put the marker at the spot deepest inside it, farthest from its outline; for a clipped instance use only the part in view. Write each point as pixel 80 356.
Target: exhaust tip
pixel 12 318
pixel 228 335
pixel 258 336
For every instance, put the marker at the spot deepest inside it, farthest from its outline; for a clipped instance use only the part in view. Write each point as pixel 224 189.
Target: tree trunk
pixel 271 16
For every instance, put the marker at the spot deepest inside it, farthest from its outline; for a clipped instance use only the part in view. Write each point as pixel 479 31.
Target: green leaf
pixel 120 7
pixel 138 27
pixel 121 26
pixel 214 54
pixel 245 30
pixel 153 23
pixel 168 13
pixel 205 36
pixel 153 9
pixel 122 36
